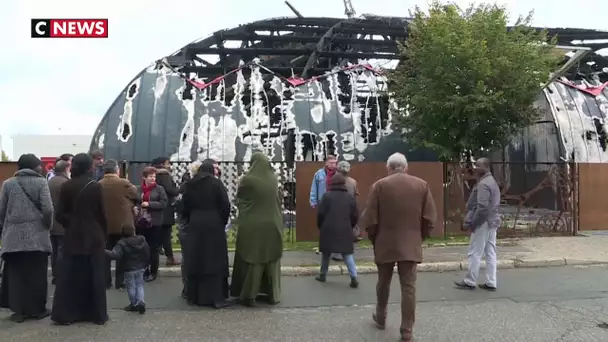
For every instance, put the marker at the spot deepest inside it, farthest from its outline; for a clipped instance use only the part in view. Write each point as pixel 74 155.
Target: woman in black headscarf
pixel 206 210
pixel 26 216
pixel 80 292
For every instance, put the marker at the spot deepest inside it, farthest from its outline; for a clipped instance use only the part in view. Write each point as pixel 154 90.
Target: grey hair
pixel 397 162
pixel 61 166
pixel 343 166
pixel 110 167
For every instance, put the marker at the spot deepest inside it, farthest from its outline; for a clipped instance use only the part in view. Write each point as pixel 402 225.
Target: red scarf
pixel 146 191
pixel 328 176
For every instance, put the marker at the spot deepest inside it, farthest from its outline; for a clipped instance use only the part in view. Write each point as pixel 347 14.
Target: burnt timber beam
pixel 305 39
pixel 378 30
pixel 203 71
pixel 391 54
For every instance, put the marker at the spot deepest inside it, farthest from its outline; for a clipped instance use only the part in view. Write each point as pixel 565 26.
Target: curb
pixel 435 267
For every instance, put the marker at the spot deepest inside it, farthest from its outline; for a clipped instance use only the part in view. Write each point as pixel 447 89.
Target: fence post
pixel 123 169
pixel 446 199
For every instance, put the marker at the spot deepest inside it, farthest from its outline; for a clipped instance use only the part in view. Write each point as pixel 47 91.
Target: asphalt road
pixel 545 305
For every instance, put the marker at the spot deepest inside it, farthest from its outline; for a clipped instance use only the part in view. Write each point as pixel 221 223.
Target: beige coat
pixel 399 215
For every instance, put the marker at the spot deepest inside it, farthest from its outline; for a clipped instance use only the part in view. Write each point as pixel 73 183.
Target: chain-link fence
pixel 536 198
pixel 231 172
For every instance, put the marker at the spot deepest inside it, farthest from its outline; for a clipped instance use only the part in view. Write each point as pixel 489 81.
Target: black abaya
pixel 80 292
pixel 24 283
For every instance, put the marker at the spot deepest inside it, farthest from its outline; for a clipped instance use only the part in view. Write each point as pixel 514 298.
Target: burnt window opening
pixel 325 83
pixel 601 132
pixel 377 120
pixel 132 90
pixel 329 145
pixel 126 131
pixel 309 143
pixel 345 96
pixel 187 93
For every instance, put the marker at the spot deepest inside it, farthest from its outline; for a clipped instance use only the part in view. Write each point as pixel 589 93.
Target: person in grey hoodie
pixel 26 216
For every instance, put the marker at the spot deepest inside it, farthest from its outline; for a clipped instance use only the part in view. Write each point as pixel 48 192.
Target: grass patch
pixel 290 243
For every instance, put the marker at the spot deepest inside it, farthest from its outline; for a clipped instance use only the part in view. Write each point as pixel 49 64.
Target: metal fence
pixel 231 172
pixel 536 198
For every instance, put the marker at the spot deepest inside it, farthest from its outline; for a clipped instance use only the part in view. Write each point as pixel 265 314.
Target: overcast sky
pixel 64 86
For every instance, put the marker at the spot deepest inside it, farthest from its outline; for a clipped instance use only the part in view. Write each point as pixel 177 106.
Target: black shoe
pixel 321 278
pixel 151 278
pixel 464 286
pixel 487 288
pixel 221 305
pixel 17 318
pixel 43 315
pixel 354 283
pixel 336 259
pixel 130 308
pixel 141 307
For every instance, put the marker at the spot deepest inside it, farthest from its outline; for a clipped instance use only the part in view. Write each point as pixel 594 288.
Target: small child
pixel 132 254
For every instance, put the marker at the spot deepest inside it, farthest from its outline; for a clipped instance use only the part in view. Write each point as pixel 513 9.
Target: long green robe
pixel 259 240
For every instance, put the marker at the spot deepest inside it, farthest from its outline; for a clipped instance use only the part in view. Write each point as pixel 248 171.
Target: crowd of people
pixel 85 215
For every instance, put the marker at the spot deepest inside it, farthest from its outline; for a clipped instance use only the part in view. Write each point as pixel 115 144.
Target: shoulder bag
pixel 35 203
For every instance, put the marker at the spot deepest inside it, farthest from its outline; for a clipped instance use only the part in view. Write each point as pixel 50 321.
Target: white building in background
pixel 50 145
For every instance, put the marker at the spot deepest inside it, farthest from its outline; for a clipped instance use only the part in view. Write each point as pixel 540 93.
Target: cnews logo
pixel 69 28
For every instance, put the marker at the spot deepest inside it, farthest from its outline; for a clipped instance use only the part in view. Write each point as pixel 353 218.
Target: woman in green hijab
pixel 259 242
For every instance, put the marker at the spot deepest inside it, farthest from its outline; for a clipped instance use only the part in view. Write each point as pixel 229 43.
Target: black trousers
pixel 111 241
pixel 152 236
pixel 24 283
pixel 57 244
pixel 166 231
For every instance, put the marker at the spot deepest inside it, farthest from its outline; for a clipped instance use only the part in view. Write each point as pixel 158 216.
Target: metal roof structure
pixel 312 46
pixel 247 102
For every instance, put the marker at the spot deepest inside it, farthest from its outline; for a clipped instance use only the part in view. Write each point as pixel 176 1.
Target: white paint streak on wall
pixel 186 140
pixel 124 131
pixel 161 82
pixel 316 104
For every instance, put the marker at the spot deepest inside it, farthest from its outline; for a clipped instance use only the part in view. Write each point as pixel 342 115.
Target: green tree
pixel 466 82
pixel 5 157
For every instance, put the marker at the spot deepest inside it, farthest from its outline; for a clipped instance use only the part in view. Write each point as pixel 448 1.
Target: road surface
pixel 544 304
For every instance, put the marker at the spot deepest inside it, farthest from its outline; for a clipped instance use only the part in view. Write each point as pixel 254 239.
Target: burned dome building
pixel 299 88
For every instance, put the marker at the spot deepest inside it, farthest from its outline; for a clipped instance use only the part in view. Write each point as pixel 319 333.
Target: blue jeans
pixel 134 282
pixel 349 260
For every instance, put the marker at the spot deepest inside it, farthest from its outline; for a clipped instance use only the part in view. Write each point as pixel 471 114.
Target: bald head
pixel 482 166
pixel 62 166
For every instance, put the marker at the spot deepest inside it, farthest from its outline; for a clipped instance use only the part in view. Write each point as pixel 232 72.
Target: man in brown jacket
pixel 119 197
pixel 60 176
pixel 400 214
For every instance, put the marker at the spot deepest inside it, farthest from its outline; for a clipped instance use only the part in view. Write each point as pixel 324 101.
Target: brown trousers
pixel 407 279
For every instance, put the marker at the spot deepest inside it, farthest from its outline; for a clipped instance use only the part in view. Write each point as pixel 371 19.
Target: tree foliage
pixel 4 157
pixel 465 82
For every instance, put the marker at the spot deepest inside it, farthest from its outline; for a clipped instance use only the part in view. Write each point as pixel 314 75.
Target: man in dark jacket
pixel 57 231
pixel 119 199
pixel 97 165
pixel 164 179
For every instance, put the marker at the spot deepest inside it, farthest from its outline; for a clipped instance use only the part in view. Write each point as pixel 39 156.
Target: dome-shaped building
pixel 299 88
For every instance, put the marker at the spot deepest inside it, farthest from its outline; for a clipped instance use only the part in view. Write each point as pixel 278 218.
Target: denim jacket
pixel 318 187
